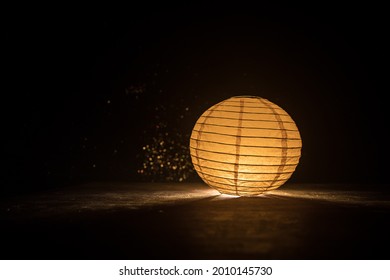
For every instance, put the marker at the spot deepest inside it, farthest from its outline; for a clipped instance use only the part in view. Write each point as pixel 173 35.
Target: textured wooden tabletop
pixel 116 220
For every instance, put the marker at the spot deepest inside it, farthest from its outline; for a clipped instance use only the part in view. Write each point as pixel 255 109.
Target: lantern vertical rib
pixel 238 145
pixel 283 141
pixel 198 140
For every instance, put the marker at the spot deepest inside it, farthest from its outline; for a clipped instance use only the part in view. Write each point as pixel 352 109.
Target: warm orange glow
pixel 245 145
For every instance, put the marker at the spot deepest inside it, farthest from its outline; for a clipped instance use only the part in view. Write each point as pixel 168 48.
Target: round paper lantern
pixel 245 145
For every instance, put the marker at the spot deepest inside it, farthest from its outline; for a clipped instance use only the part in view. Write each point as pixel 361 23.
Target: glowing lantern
pixel 245 145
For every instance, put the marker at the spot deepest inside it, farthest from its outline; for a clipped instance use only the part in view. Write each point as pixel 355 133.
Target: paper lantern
pixel 245 145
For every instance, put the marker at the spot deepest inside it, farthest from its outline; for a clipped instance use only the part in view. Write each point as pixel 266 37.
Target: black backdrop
pixel 85 92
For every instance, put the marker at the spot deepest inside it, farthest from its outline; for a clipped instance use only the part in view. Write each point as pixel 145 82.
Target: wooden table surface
pixel 116 220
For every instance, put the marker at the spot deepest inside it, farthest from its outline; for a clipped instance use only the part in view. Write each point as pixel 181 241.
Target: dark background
pixel 85 92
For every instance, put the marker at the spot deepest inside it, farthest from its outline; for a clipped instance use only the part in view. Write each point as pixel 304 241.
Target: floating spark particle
pixel 135 89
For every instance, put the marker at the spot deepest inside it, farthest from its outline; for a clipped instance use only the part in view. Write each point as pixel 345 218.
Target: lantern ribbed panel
pixel 245 145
